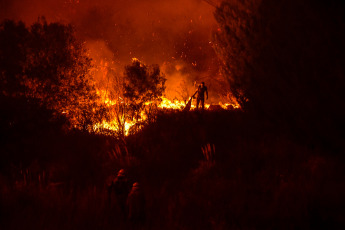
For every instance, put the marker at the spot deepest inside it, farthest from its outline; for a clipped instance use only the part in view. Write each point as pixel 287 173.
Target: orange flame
pixel 115 104
pixel 113 124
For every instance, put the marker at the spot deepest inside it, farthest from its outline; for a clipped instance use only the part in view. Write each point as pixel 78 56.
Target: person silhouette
pixel 200 97
pixel 136 205
pixel 120 188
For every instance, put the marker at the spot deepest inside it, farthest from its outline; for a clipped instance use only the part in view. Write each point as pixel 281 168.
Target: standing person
pixel 200 98
pixel 120 187
pixel 136 205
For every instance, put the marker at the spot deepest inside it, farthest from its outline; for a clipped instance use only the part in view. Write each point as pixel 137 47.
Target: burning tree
pixel 115 120
pixel 47 63
pixel 143 88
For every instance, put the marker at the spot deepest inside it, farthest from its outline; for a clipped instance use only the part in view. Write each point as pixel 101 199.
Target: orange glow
pixel 113 125
pixel 109 82
pixel 172 34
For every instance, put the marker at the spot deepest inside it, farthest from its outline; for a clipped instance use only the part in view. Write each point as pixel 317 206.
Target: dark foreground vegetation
pixel 212 170
pixel 276 164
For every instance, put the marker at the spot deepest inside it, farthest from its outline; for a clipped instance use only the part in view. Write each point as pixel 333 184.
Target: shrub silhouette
pixel 283 60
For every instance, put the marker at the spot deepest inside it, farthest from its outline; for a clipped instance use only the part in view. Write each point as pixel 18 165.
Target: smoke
pixel 176 34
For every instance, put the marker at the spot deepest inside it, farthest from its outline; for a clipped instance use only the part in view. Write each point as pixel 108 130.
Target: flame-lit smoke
pixel 153 31
pixel 175 34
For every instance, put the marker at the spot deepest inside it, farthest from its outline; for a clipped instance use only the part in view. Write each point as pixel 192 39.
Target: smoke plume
pixel 176 34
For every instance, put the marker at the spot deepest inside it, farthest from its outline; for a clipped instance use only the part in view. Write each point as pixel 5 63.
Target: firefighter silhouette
pixel 200 95
pixel 136 205
pixel 118 191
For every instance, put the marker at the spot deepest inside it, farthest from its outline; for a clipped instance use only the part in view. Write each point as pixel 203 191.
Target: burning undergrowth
pixel 86 86
pixel 135 96
pixel 175 35
pixel 176 83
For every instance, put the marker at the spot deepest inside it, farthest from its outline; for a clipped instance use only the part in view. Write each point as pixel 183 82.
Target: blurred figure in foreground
pixel 118 191
pixel 136 205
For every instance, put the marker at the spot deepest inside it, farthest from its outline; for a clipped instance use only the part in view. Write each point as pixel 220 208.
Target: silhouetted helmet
pixel 121 172
pixel 203 83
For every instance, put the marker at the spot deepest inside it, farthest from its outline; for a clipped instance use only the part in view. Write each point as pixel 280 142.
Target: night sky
pixel 174 34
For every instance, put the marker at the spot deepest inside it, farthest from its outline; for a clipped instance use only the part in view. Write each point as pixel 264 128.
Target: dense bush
pixel 283 60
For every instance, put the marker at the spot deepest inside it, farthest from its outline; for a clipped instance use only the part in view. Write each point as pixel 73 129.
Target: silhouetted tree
pixel 285 57
pixel 47 63
pixel 13 40
pixel 143 87
pixel 235 43
pixel 20 115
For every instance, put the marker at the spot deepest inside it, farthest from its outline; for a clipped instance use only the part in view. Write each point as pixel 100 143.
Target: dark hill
pixel 212 170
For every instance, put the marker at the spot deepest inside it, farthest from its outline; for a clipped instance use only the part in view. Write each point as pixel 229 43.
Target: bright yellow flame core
pixel 111 126
pixel 166 103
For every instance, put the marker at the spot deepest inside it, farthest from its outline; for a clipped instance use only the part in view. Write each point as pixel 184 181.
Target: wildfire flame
pixel 113 125
pixel 110 97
